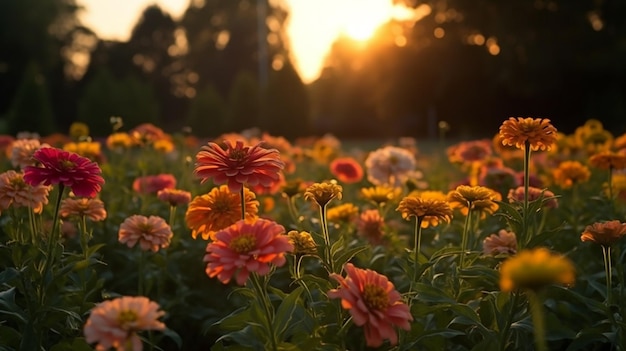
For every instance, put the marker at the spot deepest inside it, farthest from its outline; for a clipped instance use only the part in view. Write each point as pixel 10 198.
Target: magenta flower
pixel 57 166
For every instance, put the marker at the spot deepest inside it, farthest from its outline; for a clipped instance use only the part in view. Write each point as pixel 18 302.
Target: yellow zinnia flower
pixel 323 193
pixel 430 211
pixel 342 213
pixel 569 173
pixel 537 132
pixel 535 269
pixel 381 194
pixel 302 242
pixel 476 198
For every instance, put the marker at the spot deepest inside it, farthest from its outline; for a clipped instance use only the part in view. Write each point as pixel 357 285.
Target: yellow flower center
pixel 375 297
pixel 18 182
pixel 126 317
pixel 67 164
pixel 243 243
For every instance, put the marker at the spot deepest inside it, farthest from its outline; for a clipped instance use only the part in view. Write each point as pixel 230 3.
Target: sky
pixel 312 27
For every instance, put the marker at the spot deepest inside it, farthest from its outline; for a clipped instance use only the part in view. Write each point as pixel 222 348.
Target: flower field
pixel 152 241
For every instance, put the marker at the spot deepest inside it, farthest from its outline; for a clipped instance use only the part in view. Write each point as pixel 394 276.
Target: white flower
pixel 390 166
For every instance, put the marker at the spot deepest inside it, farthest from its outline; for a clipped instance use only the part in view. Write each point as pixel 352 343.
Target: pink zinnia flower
pixel 244 247
pixel 238 165
pixel 175 197
pixel 115 323
pixel 504 242
pixel 151 232
pixel 374 304
pixel 534 194
pixel 153 183
pixel 66 168
pixel 370 225
pixel 347 170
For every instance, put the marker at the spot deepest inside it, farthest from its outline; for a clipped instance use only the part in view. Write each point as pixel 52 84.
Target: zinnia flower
pixel 604 233
pixel 89 149
pixel 537 132
pixel 238 165
pixel 22 151
pixel 370 225
pixel 534 194
pixel 430 211
pixel 303 243
pixel 119 141
pixel 608 160
pixel 217 210
pixel 245 247
pixel 374 304
pixel 535 269
pixel 153 183
pixel 342 213
pixel 323 193
pixel 381 194
pixel 175 197
pixel 472 151
pixel 78 173
pixel 389 166
pixel 115 323
pixel 504 242
pixel 347 170
pixel 92 209
pixel 15 192
pixel 151 232
pixel 569 173
pixel 476 198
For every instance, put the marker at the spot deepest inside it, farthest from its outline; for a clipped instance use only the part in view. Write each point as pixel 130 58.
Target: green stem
pixel 611 190
pixel 242 196
pixel 33 227
pixel 84 236
pixel 267 306
pixel 505 331
pixel 324 225
pixel 417 245
pixel 465 233
pixel 523 239
pixel 172 216
pixel 141 273
pixel 536 311
pixel 608 270
pixel 54 234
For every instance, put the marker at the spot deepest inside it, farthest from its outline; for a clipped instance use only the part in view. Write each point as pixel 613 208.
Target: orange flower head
pixel 303 243
pixel 620 142
pixel 476 198
pixel 61 167
pixel 504 242
pixel 534 194
pixel 347 170
pixel 238 165
pixel 373 302
pixel 14 191
pixel 220 208
pixel 429 210
pixel 538 133
pixel 246 247
pixel 92 209
pixel 115 323
pixel 608 160
pixel 370 225
pixel 151 232
pixel 535 269
pixel 119 141
pixel 323 193
pixel 146 133
pixel 89 149
pixel 604 233
pixel 174 197
pixel 569 173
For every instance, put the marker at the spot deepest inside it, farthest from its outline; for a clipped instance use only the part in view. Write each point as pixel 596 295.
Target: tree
pixel 243 103
pixel 207 114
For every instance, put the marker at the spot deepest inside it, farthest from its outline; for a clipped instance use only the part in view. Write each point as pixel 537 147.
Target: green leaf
pixel 347 255
pixel 173 336
pixel 285 315
pixel 8 305
pixel 586 337
pixel 8 274
pixel 429 293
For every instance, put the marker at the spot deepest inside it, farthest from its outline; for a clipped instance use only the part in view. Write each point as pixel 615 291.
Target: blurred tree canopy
pixel 225 66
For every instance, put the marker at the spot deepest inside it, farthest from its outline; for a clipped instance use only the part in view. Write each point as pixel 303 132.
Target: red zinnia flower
pixel 237 165
pixel 67 168
pixel 347 170
pixel 244 247
pixel 374 304
pixel 153 183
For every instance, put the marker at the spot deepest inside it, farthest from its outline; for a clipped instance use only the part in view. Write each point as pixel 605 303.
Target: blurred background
pixel 354 68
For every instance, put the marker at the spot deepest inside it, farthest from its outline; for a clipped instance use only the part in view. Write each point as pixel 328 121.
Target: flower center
pixel 237 154
pixel 375 297
pixel 243 243
pixel 67 164
pixel 18 182
pixel 126 317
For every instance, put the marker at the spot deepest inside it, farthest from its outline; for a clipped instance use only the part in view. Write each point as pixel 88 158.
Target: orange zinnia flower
pixel 608 160
pixel 238 165
pixel 504 242
pixel 537 132
pixel 62 167
pixel 83 207
pixel 218 209
pixel 374 304
pixel 245 247
pixel 569 173
pixel 604 233
pixel 347 170
pixel 14 191
pixel 151 232
pixel 430 211
pixel 115 323
pixel 475 198
pixel 535 269
pixel 175 197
